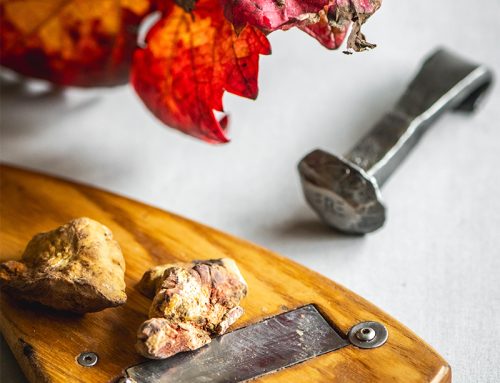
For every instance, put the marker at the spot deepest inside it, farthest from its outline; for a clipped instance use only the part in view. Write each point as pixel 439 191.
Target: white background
pixel 435 265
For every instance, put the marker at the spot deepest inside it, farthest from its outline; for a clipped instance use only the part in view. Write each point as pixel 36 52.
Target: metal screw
pixel 368 335
pixel 87 359
pixel 365 334
pixel 345 192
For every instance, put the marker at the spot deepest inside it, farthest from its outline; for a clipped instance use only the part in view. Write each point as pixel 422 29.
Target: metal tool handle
pixel 444 82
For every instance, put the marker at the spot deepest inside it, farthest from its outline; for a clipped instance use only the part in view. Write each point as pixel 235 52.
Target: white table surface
pixel 435 266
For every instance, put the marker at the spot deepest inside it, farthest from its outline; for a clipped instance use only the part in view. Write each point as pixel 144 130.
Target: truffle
pixel 192 302
pixel 77 267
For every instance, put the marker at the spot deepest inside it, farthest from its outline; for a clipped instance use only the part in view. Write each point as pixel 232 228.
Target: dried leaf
pixel 325 20
pixel 71 42
pixel 189 61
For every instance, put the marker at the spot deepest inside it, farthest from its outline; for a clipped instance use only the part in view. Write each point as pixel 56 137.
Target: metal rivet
pixel 368 335
pixel 87 359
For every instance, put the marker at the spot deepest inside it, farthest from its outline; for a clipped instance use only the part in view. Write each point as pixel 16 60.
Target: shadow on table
pixel 312 229
pixel 302 235
pixel 29 109
pixel 30 105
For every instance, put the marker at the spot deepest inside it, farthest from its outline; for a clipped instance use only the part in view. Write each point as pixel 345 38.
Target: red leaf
pixel 189 61
pixel 325 20
pixel 71 42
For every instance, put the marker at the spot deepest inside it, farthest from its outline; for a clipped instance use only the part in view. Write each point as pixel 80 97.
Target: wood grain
pixel 46 342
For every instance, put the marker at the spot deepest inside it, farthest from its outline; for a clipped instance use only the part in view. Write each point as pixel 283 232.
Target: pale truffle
pixel 77 267
pixel 192 302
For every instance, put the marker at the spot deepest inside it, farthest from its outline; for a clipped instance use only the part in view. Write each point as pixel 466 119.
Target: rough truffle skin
pixel 192 302
pixel 77 267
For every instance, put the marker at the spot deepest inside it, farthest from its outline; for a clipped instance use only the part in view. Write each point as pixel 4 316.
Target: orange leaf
pixel 71 42
pixel 189 61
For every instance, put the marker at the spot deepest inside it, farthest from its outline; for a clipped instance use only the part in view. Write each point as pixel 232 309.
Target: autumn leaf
pixel 71 42
pixel 326 20
pixel 189 61
pixel 195 52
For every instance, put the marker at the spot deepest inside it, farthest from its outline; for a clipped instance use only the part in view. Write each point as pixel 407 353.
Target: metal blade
pixel 249 352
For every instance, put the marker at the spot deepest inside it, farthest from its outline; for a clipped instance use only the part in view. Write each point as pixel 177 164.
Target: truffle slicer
pixel 298 326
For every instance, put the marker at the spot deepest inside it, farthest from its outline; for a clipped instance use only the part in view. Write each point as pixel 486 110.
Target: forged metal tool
pixel 344 192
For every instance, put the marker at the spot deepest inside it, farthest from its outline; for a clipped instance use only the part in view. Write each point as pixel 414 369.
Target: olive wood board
pixel 46 343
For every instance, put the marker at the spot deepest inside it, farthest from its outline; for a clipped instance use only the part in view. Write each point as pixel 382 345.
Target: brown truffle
pixel 77 267
pixel 192 302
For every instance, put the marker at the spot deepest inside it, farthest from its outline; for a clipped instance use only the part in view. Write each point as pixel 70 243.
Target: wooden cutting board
pixel 46 343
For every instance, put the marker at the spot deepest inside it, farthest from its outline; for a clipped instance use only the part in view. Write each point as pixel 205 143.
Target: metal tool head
pixel 342 194
pixel 345 191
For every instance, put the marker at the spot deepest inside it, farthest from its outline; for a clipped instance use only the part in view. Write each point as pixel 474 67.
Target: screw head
pixel 368 335
pixel 365 334
pixel 87 359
